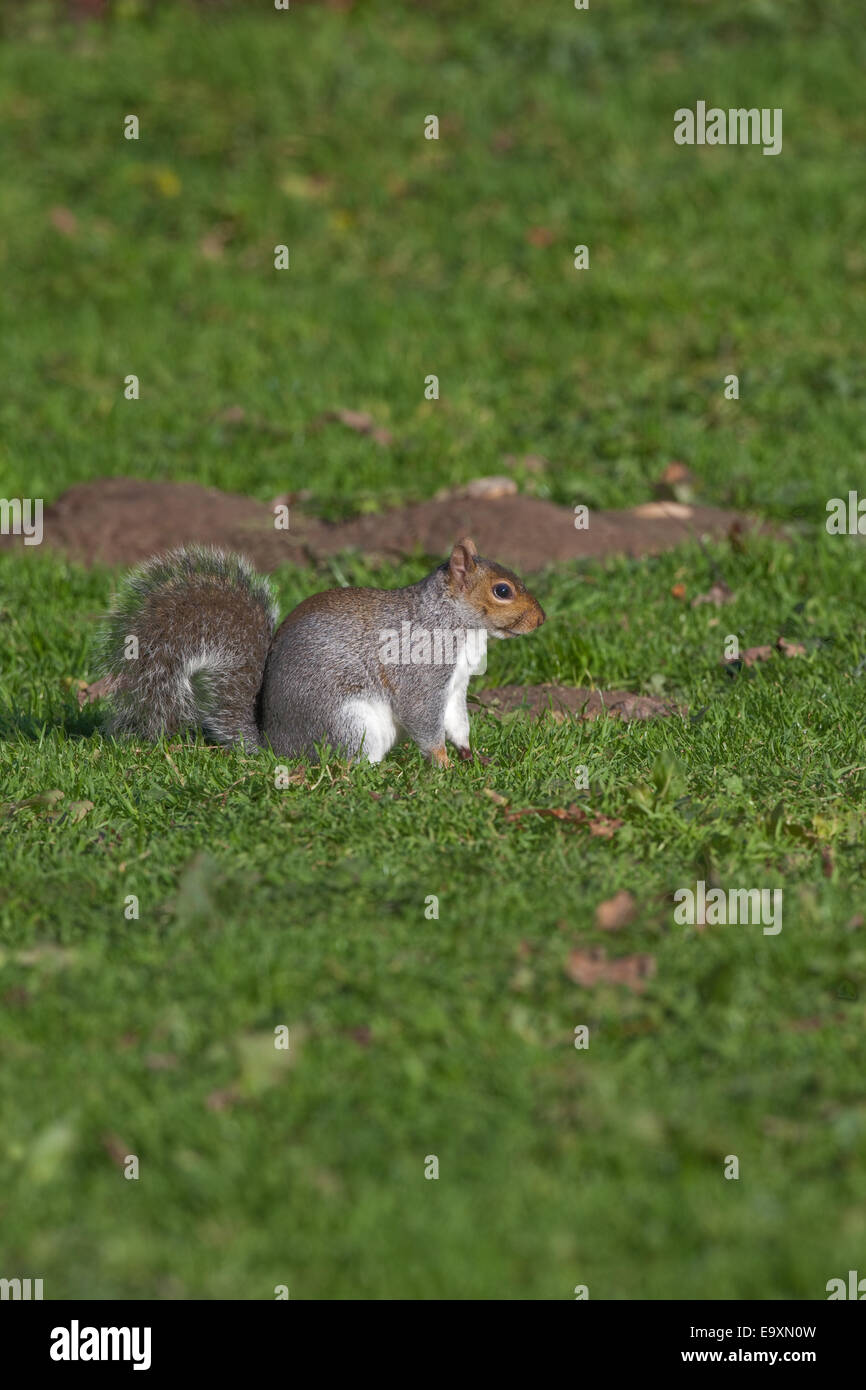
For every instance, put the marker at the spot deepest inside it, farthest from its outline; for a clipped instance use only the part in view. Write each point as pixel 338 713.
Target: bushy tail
pixel 185 646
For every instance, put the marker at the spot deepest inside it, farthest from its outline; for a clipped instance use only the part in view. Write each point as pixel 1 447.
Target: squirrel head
pixel 500 602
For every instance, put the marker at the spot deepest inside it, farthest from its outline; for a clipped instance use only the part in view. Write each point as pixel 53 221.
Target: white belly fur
pixel 372 721
pixel 456 715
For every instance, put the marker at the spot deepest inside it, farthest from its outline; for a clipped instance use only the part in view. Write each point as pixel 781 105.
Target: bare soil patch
pixel 119 521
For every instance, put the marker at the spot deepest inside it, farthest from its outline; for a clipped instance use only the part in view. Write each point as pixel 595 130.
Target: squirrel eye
pixel 502 590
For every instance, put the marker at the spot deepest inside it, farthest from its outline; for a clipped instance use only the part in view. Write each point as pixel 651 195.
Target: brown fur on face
pixel 474 579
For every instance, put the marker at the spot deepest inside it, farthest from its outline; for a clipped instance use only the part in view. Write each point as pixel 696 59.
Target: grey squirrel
pixel 191 642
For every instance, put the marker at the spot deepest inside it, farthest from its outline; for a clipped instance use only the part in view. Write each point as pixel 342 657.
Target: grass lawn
pixel 304 906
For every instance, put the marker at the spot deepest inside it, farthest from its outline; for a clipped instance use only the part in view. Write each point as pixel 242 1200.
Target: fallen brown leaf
pixel 64 221
pixel 790 648
pixel 592 967
pixel 222 1099
pixel 676 472
pixel 115 1148
pixel 540 236
pixel 235 415
pixel 752 655
pixel 676 483
pixel 603 827
pixel 97 690
pixel 616 911
pixel 593 821
pixel 214 242
pixel 717 594
pixel 357 420
pixel 496 796
pixel 42 801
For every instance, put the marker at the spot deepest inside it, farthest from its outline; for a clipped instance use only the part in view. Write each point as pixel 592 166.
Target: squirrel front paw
pixel 440 757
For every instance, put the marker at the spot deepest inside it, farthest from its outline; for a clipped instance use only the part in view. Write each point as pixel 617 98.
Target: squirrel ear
pixel 462 559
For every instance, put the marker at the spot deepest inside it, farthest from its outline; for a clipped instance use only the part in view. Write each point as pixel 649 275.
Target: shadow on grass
pixel 74 724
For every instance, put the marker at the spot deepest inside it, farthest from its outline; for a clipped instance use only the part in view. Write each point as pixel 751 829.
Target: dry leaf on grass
pixel 592 967
pixel 115 1148
pixel 790 648
pixel 496 796
pixel 676 472
pixel 593 821
pixel 357 420
pixel 488 489
pixel 540 236
pixel 97 690
pixel 752 655
pixel 214 241
pixel 222 1099
pixel 64 221
pixel 42 801
pixel 717 594
pixel 616 911
pixel 676 483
